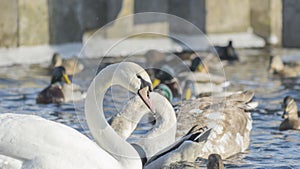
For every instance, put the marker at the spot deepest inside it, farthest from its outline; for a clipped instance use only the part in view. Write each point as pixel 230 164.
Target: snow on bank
pixel 98 46
pixel 36 54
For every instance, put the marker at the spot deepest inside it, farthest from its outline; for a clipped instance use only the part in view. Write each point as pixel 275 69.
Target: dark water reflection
pixel 269 147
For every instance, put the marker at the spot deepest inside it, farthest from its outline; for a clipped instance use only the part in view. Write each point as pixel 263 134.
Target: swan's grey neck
pixel 103 134
pixel 165 116
pixel 162 133
pixel 125 122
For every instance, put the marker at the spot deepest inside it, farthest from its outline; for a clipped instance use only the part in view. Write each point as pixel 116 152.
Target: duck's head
pixel 189 90
pixel 231 53
pixel 56 60
pixel 230 43
pixel 275 64
pixel 59 75
pixel 165 74
pixel 197 65
pixel 215 162
pixel 165 91
pixel 289 107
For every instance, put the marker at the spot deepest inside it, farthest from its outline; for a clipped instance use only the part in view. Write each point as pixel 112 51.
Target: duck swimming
pixel 227 52
pixel 215 162
pixel 189 83
pixel 72 66
pixel 276 66
pixel 290 115
pixel 60 89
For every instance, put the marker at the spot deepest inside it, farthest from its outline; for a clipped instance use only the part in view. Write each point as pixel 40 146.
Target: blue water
pixel 269 148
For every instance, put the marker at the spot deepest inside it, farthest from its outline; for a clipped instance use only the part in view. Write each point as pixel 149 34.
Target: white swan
pixel 163 132
pixel 41 143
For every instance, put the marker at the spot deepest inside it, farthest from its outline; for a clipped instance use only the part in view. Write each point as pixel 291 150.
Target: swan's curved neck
pixel 165 116
pixel 125 122
pixel 136 109
pixel 103 134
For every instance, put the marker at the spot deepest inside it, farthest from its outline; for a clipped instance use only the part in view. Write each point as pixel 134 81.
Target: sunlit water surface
pixel 269 147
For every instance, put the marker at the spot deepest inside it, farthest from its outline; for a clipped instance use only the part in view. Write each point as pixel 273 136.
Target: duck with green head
pixel 191 84
pixel 60 89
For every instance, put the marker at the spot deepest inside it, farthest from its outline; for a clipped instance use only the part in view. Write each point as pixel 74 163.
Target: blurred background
pixel 38 22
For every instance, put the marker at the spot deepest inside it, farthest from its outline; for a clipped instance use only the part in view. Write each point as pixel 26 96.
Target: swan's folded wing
pixel 195 136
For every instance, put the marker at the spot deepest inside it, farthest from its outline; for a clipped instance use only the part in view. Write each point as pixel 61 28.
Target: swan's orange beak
pixel 144 94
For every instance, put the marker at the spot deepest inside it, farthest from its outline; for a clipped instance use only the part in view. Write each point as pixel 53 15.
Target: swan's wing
pixel 194 136
pixel 228 117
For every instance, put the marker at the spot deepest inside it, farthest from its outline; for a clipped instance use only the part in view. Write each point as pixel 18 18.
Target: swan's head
pixel 136 80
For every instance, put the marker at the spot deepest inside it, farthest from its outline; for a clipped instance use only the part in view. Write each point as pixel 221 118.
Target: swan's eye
pixel 144 83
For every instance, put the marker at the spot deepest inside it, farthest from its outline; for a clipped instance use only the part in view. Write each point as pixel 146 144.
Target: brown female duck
pixel 215 162
pixel 72 66
pixel 276 66
pixel 290 115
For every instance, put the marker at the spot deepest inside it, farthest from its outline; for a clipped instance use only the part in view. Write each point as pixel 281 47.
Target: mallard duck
pixel 276 66
pixel 192 83
pixel 60 89
pixel 229 118
pixel 227 52
pixel 166 76
pixel 196 83
pixel 290 115
pixel 165 91
pixel 156 59
pixel 71 65
pixel 192 89
pixel 215 162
